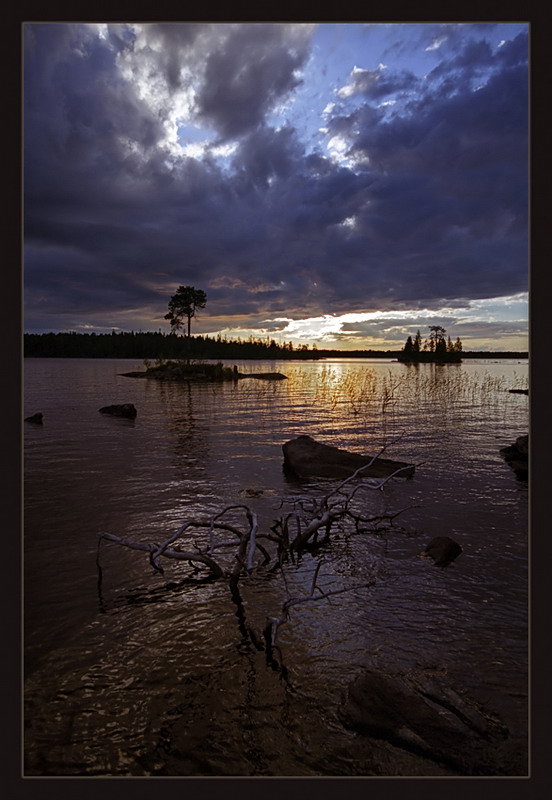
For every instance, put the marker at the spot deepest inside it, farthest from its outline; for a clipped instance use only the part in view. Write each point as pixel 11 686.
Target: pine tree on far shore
pixel 434 348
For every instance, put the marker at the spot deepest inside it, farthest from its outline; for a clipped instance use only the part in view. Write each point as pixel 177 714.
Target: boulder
pixel 306 458
pixel 517 456
pixel 36 419
pixel 126 410
pixel 442 550
pixel 421 714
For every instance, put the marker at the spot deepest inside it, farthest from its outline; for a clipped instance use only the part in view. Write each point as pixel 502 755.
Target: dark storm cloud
pixel 80 119
pixel 472 59
pixel 175 39
pixel 269 154
pixel 431 207
pixel 451 186
pixel 249 72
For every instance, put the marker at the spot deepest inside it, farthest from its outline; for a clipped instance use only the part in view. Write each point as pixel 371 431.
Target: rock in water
pixel 265 376
pixel 306 458
pixel 127 410
pixel 425 716
pixel 36 419
pixel 442 550
pixel 517 456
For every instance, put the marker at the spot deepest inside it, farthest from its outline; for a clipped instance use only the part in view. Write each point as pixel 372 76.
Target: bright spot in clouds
pixel 435 45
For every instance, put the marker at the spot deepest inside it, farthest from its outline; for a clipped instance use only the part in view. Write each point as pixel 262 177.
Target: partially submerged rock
pixel 517 456
pixel 126 410
pixel 251 491
pixel 36 419
pixel 172 374
pixel 306 458
pixel 265 376
pixel 198 371
pixel 442 549
pixel 421 714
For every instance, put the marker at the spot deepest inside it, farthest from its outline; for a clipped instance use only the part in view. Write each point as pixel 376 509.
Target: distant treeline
pixel 152 345
pixel 156 345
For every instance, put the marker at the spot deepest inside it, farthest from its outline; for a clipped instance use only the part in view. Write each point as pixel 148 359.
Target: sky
pixel 340 184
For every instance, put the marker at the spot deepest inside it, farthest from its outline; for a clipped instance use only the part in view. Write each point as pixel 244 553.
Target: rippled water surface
pixel 146 674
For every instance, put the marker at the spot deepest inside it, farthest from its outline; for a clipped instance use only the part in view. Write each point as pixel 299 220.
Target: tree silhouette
pixel 435 348
pixel 437 339
pixel 185 303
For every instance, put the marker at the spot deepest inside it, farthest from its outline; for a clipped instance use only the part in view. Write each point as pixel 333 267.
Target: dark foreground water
pixel 143 674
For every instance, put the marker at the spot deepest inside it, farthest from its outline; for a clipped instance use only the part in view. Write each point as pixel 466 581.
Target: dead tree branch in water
pixel 292 533
pixel 244 557
pixel 324 511
pixel 180 555
pixel 274 623
pixel 310 515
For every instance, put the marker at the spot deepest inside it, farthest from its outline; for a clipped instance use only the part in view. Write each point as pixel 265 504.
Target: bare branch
pixel 179 555
pixel 375 483
pixel 291 533
pixel 274 623
pixel 316 571
pixel 252 545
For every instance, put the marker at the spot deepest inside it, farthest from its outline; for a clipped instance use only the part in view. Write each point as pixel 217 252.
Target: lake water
pixel 142 674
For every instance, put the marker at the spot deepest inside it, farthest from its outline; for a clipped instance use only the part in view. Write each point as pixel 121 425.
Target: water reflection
pixel 191 434
pixel 141 674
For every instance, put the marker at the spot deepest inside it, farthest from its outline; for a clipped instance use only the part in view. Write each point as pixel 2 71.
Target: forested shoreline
pixel 153 345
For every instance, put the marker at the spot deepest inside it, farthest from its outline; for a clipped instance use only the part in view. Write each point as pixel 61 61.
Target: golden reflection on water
pixel 158 674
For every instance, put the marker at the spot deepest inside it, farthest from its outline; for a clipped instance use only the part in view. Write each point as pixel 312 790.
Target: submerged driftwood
pixel 307 458
pixel 308 525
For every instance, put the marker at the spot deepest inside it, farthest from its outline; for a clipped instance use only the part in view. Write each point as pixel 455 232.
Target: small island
pixel 435 348
pixel 186 370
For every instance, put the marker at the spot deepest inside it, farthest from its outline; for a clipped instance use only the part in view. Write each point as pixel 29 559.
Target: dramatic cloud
pixel 376 83
pixel 253 69
pixel 288 179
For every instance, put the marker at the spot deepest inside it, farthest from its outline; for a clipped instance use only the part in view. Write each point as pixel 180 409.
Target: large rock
pixel 517 456
pixel 307 458
pixel 423 715
pixel 126 410
pixel 443 550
